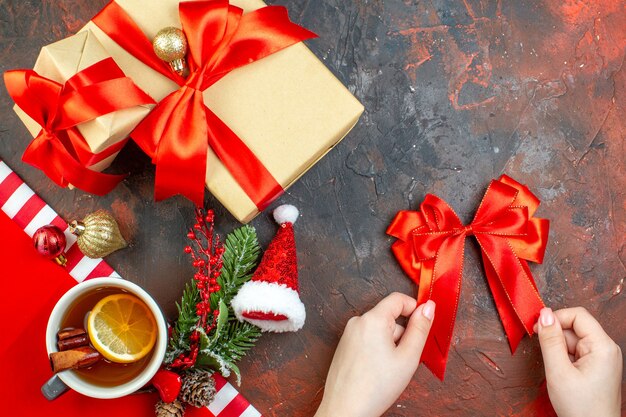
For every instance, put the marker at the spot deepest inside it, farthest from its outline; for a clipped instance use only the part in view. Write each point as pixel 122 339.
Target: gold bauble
pixel 98 234
pixel 170 45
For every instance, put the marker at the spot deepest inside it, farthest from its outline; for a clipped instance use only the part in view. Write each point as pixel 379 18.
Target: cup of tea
pixel 106 338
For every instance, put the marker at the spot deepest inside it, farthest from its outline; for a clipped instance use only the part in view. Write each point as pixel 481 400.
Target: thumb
pixel 553 346
pixel 416 333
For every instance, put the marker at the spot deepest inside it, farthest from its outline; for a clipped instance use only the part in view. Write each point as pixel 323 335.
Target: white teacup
pixel 69 379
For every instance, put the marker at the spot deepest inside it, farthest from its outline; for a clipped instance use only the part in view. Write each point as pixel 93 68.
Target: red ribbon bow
pixel 179 130
pixel 430 249
pixel 59 149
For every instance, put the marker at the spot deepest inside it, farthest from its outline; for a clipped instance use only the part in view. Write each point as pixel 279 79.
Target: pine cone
pixel 173 409
pixel 198 388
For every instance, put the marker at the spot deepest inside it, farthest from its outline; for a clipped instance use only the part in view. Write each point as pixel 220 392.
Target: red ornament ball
pixel 168 384
pixel 49 242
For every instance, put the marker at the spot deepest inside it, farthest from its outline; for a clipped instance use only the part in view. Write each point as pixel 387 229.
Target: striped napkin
pixel 30 212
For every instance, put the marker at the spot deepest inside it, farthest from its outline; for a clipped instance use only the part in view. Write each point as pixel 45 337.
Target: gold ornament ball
pixel 98 234
pixel 170 45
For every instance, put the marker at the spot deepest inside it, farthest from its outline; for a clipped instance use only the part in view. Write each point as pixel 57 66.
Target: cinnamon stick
pixel 69 333
pixel 73 342
pixel 81 357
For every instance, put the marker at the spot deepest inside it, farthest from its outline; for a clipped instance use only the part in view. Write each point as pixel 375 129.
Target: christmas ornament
pixel 173 409
pixel 167 384
pixel 198 388
pixel 207 335
pixel 170 45
pixel 50 243
pixel 271 298
pixel 98 234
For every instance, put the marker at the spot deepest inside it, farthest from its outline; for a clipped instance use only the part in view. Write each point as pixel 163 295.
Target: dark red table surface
pixel 456 93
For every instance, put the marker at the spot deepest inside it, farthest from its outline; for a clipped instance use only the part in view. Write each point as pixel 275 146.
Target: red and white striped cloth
pixel 30 212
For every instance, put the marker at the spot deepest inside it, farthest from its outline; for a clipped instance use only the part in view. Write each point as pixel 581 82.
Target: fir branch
pixel 220 323
pixel 241 252
pixel 241 338
pixel 186 323
pixel 229 347
pixel 227 340
pixel 214 362
pixel 236 340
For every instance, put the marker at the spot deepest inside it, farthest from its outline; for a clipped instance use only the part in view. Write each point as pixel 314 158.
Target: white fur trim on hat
pixel 270 297
pixel 286 214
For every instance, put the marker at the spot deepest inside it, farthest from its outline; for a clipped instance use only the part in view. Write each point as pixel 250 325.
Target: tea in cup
pixel 106 338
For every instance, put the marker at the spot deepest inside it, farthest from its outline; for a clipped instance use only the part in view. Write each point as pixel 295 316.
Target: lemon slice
pixel 122 328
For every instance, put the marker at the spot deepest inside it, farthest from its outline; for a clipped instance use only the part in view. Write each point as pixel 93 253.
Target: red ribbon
pixel 430 249
pixel 180 129
pixel 59 149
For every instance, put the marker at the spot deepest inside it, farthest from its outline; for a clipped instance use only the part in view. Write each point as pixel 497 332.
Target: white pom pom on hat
pixel 286 214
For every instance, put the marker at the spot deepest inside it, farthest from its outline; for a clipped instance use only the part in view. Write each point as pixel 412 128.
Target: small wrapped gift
pixel 268 108
pixel 95 108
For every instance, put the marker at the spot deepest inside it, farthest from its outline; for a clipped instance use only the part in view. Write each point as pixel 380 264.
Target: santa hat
pixel 271 299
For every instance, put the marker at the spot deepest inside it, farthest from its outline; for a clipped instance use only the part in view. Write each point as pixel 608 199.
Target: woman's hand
pixel 376 358
pixel 583 365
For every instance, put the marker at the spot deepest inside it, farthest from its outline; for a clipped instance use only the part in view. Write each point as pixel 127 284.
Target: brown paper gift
pixel 288 108
pixel 59 62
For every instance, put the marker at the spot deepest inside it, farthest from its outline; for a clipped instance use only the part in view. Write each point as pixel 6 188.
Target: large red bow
pixel 430 249
pixel 59 149
pixel 179 130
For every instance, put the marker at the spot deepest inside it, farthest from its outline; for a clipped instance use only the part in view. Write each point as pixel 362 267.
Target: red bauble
pixel 168 384
pixel 49 242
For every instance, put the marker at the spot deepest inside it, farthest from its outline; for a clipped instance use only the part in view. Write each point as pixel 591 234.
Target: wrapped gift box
pixel 105 135
pixel 288 108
